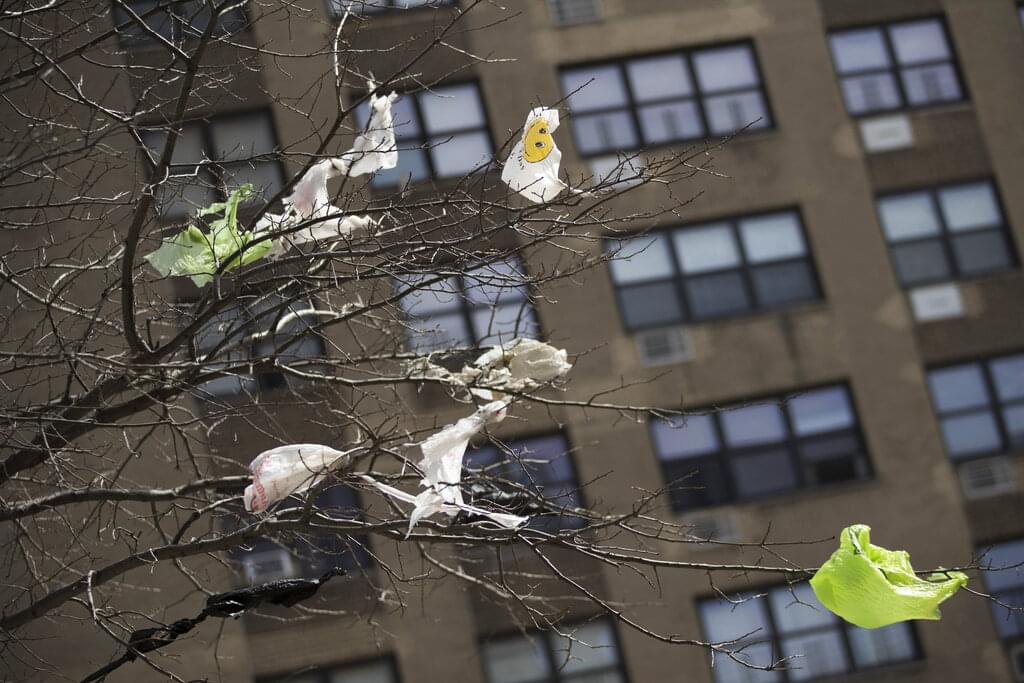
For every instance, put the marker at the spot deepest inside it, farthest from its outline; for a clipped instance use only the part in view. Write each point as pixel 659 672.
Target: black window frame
pixel 776 636
pixel 325 674
pixel 235 20
pixel 994 407
pixel 554 665
pixel 946 236
pixel 465 307
pixel 216 168
pixel 421 139
pixel 895 68
pixel 505 456
pixel 745 270
pixel 385 7
pixel 631 105
pixel 682 475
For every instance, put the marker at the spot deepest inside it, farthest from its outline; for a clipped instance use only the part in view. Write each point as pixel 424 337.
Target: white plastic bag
pixel 282 471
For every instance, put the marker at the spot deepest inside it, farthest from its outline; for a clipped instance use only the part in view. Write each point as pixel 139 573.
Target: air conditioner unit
pixel 269 565
pixel 565 12
pixel 717 525
pixel 1017 661
pixel 664 346
pixel 987 477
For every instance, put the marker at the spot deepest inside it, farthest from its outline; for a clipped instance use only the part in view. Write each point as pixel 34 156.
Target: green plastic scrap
pixel 199 255
pixel 872 587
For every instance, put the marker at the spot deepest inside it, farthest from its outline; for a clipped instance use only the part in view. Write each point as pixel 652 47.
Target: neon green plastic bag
pixel 872 587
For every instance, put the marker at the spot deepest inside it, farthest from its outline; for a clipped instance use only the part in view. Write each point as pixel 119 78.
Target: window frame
pixel 548 635
pixel 725 455
pixel 775 637
pixel 745 269
pixel 631 105
pixel 945 235
pixel 392 6
pixel 895 68
pixel 994 407
pixel 178 35
pixel 1009 641
pixel 217 168
pixel 325 674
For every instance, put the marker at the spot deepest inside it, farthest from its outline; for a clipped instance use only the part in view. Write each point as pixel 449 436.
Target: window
pixel 338 7
pixel 212 156
pixel 540 464
pixel 790 622
pixel 1007 586
pixel 234 336
pixel 947 233
pixel 174 20
pixel 895 66
pixel 377 671
pixel 714 270
pixel 566 12
pixel 486 305
pixel 760 449
pixel 980 406
pixel 305 555
pixel 440 134
pixel 591 656
pixel 665 98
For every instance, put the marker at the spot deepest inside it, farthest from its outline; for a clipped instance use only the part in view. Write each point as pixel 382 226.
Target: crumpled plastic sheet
pixel 532 167
pixel 285 470
pixel 870 586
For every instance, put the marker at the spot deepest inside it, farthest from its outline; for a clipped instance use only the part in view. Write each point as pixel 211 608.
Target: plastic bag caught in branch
pixel 870 586
pixel 532 167
pixel 282 471
pixel 519 365
pixel 199 255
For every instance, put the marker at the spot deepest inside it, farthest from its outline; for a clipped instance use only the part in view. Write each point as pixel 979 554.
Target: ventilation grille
pixel 566 12
pixel 664 346
pixel 987 477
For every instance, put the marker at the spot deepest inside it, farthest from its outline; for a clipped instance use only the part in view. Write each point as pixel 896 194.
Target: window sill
pixel 927 109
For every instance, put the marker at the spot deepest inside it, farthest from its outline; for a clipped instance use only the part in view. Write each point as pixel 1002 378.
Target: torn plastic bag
pixel 282 471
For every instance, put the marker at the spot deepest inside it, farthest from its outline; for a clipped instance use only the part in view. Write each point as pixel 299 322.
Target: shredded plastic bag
pixel 282 471
pixel 870 586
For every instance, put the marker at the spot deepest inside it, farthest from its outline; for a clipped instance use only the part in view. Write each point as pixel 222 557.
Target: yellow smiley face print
pixel 538 143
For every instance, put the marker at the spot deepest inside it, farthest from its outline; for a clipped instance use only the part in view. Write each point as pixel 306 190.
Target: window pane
pixel 696 483
pixel 642 258
pixel 1008 375
pixel 516 660
pixel 411 168
pixel 650 305
pixel 919 41
pixel 728 671
pixel 604 92
pixel 1011 555
pixel 159 21
pixel 451 108
pixel 438 331
pixel 710 296
pixel 970 434
pixel 180 196
pixel 762 473
pixel 667 122
pixel 725 621
pixel 772 237
pixel 785 283
pixel 967 207
pixel 504 323
pixel 459 154
pixel 709 248
pixel 822 410
pixel 658 78
pixel 1013 418
pixel 752 425
pixel 499 282
pixel 858 50
pixel 376 672
pixel 822 654
pixel 402 111
pixel 872 92
pixel 958 387
pixel 241 137
pixel 725 68
pixel 438 296
pixel 594 648
pixel 908 216
pixel 265 177
pixel 602 132
pixel 928 84
pixel 981 252
pixel 730 113
pixel 872 647
pixel 796 608
pixel 921 262
pixel 682 437
pixel 188 148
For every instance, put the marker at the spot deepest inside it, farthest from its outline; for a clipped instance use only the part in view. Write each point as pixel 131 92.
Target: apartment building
pixel 861 262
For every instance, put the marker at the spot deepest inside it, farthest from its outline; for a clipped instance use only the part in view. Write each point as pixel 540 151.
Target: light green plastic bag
pixel 872 587
pixel 197 254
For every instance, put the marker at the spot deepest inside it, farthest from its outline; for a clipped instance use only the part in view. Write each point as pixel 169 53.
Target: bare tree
pixel 134 402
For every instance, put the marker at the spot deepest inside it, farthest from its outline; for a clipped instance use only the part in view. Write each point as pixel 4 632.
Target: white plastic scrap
pixel 282 471
pixel 519 365
pixel 532 167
